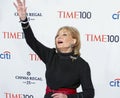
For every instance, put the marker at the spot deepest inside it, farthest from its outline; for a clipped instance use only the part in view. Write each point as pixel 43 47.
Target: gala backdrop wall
pixel 22 72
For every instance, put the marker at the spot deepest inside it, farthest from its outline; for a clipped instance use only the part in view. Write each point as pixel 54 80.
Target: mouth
pixel 60 42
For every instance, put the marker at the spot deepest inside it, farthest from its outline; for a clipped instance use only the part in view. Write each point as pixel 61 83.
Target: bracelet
pixel 23 22
pixel 26 26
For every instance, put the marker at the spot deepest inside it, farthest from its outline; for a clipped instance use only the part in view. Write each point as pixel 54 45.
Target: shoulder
pixel 83 63
pixel 82 60
pixel 52 53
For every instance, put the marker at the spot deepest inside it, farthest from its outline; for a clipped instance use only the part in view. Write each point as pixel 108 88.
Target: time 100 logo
pixel 13 95
pixel 75 14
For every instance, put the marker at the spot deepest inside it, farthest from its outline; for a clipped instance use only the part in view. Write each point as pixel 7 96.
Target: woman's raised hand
pixel 21 9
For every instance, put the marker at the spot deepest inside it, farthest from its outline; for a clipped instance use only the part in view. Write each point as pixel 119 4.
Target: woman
pixel 65 69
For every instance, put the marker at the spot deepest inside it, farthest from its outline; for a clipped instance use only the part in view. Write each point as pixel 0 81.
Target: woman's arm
pixel 41 50
pixel 86 83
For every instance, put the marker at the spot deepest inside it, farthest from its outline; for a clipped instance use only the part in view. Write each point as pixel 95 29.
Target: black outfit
pixel 61 70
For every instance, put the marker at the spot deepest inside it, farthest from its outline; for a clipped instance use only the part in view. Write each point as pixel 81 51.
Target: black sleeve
pixel 41 50
pixel 86 83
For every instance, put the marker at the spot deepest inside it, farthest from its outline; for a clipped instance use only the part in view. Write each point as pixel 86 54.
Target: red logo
pixel 13 95
pixel 102 38
pixel 13 35
pixel 75 14
pixel 34 57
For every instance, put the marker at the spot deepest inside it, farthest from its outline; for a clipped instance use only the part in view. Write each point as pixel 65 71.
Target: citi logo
pixel 102 38
pixel 74 14
pixel 13 35
pixel 115 82
pixel 116 16
pixel 5 55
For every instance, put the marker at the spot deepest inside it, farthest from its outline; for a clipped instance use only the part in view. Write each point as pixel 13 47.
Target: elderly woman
pixel 65 69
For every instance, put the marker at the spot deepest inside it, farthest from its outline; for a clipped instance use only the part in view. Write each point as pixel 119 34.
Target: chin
pixel 59 46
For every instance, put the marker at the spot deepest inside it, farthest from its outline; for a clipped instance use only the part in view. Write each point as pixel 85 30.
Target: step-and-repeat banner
pixel 22 73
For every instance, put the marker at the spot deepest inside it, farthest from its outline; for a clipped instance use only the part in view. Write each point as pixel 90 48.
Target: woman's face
pixel 64 41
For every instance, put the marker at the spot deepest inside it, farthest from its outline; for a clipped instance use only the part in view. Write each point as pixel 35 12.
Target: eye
pixel 64 34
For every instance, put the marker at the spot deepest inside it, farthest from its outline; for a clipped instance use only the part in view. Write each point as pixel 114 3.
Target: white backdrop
pixel 22 72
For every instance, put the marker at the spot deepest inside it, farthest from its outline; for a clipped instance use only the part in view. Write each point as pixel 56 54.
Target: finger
pixel 19 2
pixel 55 95
pixel 24 2
pixel 15 4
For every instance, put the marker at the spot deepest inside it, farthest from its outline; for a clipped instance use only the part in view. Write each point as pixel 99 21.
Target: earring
pixel 72 45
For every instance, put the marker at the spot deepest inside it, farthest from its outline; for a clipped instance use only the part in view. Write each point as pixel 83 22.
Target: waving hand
pixel 21 9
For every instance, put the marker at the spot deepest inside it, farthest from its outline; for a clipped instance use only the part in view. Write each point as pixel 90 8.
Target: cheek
pixel 68 40
pixel 55 40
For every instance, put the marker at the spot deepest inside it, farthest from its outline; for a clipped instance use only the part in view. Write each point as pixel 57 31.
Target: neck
pixel 65 50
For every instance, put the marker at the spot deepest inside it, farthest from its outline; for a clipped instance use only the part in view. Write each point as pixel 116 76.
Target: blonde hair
pixel 76 35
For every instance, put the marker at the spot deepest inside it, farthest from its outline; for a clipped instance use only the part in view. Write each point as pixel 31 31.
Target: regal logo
pixel 28 78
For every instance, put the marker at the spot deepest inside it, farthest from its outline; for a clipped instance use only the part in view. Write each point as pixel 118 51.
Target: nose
pixel 60 36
